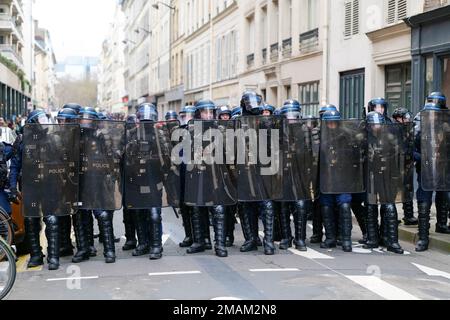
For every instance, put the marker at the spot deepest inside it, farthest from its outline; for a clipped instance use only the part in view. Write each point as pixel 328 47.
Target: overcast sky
pixel 77 27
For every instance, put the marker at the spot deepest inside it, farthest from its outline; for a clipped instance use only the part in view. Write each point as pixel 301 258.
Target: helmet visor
pixel 185 118
pixel 148 114
pixel 207 114
pixel 42 119
pixel 292 115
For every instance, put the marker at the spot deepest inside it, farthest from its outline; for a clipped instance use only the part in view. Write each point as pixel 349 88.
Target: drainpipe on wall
pixel 326 54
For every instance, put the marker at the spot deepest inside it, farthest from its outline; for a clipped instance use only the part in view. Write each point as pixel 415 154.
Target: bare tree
pixel 81 91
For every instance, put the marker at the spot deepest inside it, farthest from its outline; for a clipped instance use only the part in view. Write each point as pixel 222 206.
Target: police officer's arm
pixel 14 172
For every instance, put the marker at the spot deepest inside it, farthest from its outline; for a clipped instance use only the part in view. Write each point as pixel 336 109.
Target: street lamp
pixel 126 41
pixel 145 30
pixel 156 5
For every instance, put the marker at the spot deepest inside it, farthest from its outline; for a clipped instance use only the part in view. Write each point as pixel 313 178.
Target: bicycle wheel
pixel 7 269
pixel 6 230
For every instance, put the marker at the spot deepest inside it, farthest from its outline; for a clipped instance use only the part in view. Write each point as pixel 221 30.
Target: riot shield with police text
pixel 300 159
pixel 210 168
pixel 151 179
pixel 435 150
pixel 50 165
pixel 390 164
pixel 102 146
pixel 342 156
pixel 259 160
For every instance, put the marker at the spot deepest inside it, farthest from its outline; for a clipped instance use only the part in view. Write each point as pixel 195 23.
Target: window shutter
pixel 402 9
pixel 355 17
pixel 391 11
pixel 348 19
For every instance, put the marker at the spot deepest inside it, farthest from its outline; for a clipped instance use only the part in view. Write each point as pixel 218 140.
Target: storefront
pixel 430 49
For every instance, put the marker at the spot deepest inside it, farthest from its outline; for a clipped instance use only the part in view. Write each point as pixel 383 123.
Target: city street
pixel 316 274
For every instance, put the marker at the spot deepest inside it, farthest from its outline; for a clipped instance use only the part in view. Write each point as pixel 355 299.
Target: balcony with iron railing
pixel 274 52
pixel 264 55
pixel 9 52
pixel 309 41
pixel 250 60
pixel 287 48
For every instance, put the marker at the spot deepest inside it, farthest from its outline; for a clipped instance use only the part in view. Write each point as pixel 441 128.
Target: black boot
pixel 301 217
pixel 285 224
pixel 105 224
pixel 328 218
pixel 141 223
pixel 33 229
pixel 206 227
pixel 360 213
pixel 408 211
pixel 156 249
pixel 424 226
pixel 246 223
pixel 383 229
pixel 345 222
pixel 187 224
pixel 441 214
pixel 373 241
pixel 130 231
pixel 82 242
pixel 391 221
pixel 317 224
pixel 197 231
pixel 230 223
pixel 219 231
pixel 255 225
pixel 90 233
pixel 52 234
pixel 268 216
pixel 65 226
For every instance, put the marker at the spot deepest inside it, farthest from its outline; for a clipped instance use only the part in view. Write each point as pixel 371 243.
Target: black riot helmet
pixel 251 103
pixel 87 117
pixel 375 118
pixel 223 113
pixel 378 103
pixel 402 115
pixel 147 112
pixel 131 119
pixel 67 115
pixel 324 109
pixel 171 116
pixel 38 116
pixel 205 110
pixel 74 106
pixel 439 99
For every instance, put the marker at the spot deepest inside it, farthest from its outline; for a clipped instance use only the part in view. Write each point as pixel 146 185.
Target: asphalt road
pixel 291 275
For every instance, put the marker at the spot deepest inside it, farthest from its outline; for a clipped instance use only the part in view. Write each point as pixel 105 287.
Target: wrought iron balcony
pixel 287 47
pixel 309 40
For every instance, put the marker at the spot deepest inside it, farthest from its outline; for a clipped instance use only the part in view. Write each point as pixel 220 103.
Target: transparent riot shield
pixel 259 160
pixel 300 160
pixel 390 164
pixel 102 146
pixel 151 179
pixel 343 146
pixel 435 150
pixel 50 165
pixel 210 168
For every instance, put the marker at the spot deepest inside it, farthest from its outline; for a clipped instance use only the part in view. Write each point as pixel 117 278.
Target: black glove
pixel 14 196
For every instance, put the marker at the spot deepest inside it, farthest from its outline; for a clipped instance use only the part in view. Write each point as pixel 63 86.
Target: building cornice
pixel 441 13
pixel 198 32
pixel 225 13
pixel 389 32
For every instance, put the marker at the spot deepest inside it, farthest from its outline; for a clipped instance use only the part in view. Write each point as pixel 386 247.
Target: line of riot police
pixel 323 168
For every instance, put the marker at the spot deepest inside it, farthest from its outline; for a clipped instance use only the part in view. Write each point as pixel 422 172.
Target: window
pixel 309 97
pixel 312 14
pixel 2 40
pixel 351 24
pixel 396 10
pixel 429 75
pixel 445 76
pixel 398 85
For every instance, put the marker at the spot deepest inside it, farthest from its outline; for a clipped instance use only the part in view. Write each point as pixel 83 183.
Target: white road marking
pixel 382 288
pixel 311 254
pixel 432 272
pixel 276 270
pixel 173 273
pixel 225 299
pixel 165 237
pixel 362 250
pixel 378 250
pixel 73 278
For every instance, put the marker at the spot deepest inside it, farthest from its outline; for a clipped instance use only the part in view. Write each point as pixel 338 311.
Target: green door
pixel 351 93
pixel 398 86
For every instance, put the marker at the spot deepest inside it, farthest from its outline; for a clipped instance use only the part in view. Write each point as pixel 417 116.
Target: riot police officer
pixel 252 105
pixel 402 115
pixel 299 209
pixel 389 211
pixel 224 113
pixel 82 220
pixel 186 114
pixel 436 101
pixel 171 116
pixel 381 106
pixel 206 110
pixel 33 225
pixel 343 203
pixel 67 115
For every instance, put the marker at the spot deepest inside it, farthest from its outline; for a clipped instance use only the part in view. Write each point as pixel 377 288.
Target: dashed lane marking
pixel 276 270
pixel 432 272
pixel 73 278
pixel 155 274
pixel 311 254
